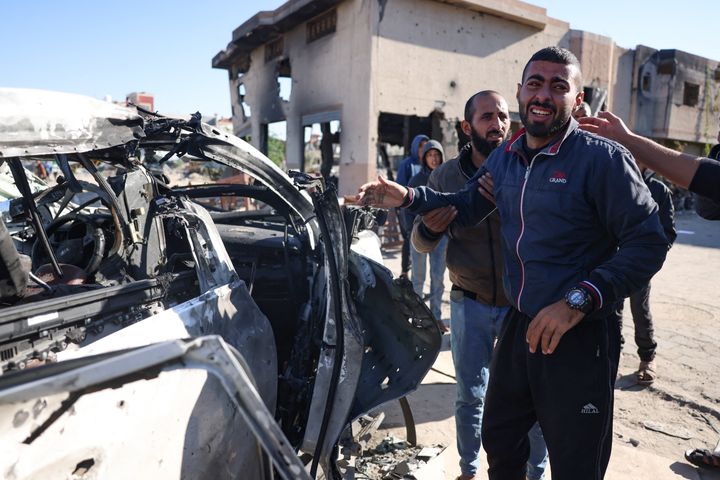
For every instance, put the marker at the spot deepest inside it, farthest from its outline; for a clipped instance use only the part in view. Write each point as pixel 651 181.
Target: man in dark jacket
pixel 478 304
pixel 705 207
pixel 580 231
pixel 409 166
pixel 699 175
pixel 640 300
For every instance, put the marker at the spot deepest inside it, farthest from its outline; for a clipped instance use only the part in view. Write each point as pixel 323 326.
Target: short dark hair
pixel 470 104
pixel 554 55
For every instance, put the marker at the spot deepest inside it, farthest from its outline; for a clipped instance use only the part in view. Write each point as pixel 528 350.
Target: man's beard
pixel 540 130
pixel 482 145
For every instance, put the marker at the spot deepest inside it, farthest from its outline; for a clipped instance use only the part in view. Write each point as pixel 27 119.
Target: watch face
pixel 576 297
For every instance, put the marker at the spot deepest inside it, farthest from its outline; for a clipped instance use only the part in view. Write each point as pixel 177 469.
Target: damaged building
pixel 373 73
pixel 675 98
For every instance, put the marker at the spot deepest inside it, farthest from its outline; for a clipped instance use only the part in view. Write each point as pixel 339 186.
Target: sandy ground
pixel 653 425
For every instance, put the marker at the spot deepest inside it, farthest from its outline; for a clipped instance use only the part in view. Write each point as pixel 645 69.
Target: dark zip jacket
pixel 706 183
pixel 666 211
pixel 474 254
pixel 577 213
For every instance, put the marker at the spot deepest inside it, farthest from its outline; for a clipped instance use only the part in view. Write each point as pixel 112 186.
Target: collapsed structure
pixel 380 72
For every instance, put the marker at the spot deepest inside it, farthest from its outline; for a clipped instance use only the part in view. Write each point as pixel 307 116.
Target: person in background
pixel 432 157
pixel 704 206
pixel 408 168
pixel 640 299
pixel 700 175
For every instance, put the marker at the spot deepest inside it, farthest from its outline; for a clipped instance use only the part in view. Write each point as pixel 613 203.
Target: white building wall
pixel 432 54
pixel 620 101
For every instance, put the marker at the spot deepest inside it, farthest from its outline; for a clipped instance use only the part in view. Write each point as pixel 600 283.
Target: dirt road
pixel 653 425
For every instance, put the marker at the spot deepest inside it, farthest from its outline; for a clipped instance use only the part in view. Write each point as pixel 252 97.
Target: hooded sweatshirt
pixel 421 178
pixel 474 254
pixel 410 165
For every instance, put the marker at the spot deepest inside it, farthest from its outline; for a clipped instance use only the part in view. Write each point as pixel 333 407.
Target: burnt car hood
pixel 44 123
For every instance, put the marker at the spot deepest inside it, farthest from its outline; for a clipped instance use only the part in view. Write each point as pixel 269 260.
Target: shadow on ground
pixel 431 402
pixel 696 231
pixel 628 383
pixel 688 471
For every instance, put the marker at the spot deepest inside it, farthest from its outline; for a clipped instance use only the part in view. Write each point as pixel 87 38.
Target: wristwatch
pixel 578 298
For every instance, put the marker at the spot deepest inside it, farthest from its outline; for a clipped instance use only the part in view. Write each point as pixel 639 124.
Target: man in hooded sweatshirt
pixel 408 168
pixel 432 157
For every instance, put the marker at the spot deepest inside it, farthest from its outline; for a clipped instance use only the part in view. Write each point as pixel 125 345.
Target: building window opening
pixel 241 98
pixel 395 135
pixel 322 25
pixel 666 67
pixel 321 152
pixel 274 49
pixel 646 79
pixel 276 143
pixel 284 79
pixel 691 94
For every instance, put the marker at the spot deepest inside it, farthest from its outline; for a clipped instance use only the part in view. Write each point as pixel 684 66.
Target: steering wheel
pixel 81 244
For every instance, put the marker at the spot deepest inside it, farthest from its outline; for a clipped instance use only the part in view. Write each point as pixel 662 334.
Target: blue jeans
pixel 437 274
pixel 473 329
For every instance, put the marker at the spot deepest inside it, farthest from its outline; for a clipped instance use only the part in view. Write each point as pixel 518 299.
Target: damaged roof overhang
pixel 514 10
pixel 265 26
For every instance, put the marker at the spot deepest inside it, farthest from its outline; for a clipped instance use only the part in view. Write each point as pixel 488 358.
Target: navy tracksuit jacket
pixel 579 212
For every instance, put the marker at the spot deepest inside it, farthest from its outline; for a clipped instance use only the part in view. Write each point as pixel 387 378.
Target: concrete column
pixel 359 124
pixel 358 139
pixel 295 141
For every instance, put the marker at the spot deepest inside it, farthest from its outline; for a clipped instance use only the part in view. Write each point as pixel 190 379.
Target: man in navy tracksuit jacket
pixel 580 231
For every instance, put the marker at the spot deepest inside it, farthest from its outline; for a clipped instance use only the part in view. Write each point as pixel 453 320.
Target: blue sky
pixel 165 47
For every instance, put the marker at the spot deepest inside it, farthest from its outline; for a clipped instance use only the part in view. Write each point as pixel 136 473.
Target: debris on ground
pixel 677 432
pixel 393 459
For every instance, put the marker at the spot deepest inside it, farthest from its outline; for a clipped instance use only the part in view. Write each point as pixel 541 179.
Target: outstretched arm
pixel 471 205
pixel 679 168
pixel 382 193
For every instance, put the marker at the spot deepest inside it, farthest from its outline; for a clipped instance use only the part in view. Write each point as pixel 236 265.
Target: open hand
pixel 486 187
pixel 438 220
pixel 550 324
pixel 381 193
pixel 607 125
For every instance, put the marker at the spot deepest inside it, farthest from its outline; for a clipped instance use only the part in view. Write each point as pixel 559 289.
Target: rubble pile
pixel 393 459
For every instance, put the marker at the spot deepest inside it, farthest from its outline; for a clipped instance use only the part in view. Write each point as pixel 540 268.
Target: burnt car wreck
pixel 146 332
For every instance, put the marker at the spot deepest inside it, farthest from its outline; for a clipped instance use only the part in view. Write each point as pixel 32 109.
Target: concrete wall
pixel 621 96
pixel 436 55
pixel 596 54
